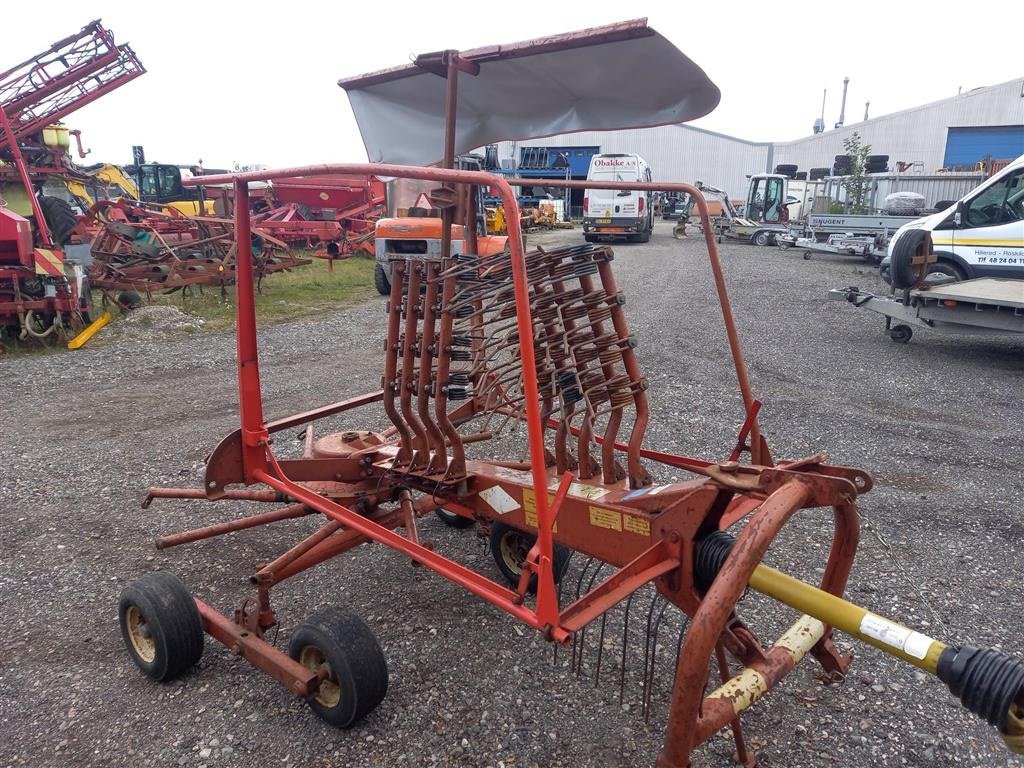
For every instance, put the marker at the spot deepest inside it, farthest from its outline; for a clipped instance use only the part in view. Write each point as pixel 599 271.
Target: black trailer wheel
pixel 160 625
pixel 762 238
pixel 340 644
pixel 380 281
pixel 453 520
pixel 901 333
pixel 807 255
pixel 510 546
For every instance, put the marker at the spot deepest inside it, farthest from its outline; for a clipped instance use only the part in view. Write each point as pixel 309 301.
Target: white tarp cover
pixel 622 76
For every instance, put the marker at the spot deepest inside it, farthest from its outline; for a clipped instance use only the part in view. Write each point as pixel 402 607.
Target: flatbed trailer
pixel 824 224
pixel 870 248
pixel 986 305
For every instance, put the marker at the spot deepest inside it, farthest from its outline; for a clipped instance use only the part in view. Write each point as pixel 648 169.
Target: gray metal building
pixel 957 131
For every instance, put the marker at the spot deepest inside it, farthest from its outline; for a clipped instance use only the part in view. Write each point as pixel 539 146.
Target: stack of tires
pixel 786 170
pixel 877 164
pixel 818 173
pixel 842 165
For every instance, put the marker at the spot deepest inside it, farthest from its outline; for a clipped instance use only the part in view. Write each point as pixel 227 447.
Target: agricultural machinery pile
pixel 476 347
pixel 66 230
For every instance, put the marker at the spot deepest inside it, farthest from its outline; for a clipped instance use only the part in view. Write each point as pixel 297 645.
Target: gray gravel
pixel 81 435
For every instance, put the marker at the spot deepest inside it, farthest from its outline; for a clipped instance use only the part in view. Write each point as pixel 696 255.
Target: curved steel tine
pixel 600 649
pixel 625 641
pixel 583 631
pixel 679 645
pixel 649 682
pixel 561 583
pixel 647 645
pixel 577 636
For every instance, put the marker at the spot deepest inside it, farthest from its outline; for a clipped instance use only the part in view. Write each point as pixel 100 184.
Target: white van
pixel 609 213
pixel 983 234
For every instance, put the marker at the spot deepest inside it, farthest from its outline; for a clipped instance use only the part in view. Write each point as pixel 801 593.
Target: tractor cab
pixel 766 198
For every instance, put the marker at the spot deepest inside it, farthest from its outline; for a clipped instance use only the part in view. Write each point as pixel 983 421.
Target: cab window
pixel 1001 203
pixel 148 182
pixel 170 182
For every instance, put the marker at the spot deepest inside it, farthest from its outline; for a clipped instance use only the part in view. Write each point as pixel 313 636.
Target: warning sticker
pixel 530 508
pixel 499 499
pixel 606 518
pixel 582 491
pixel 636 525
pixel 907 640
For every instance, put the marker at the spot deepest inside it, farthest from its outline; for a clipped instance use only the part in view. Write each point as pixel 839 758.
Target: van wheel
pixel 645 237
pixel 945 268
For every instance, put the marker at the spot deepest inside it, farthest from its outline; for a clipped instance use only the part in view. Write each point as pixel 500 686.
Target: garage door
pixel 967 146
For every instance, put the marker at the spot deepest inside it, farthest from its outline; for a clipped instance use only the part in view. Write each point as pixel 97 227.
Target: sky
pixel 256 82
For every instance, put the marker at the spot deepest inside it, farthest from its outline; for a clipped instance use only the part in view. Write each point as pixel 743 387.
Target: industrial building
pixel 956 132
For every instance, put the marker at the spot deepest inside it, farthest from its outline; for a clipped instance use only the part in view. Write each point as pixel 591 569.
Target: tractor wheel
pixel 510 546
pixel 901 333
pixel 340 643
pixel 60 219
pixel 380 281
pixel 453 520
pixel 160 625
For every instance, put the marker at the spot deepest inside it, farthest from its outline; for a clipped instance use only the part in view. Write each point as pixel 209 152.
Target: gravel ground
pixel 82 435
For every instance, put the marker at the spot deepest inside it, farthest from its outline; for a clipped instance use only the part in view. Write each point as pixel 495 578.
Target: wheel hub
pixel 328 694
pixel 140 635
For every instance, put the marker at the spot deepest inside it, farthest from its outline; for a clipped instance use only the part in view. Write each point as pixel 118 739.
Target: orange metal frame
pixel 772 493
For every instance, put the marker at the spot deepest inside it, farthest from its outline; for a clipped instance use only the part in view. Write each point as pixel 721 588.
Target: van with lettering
pixel 982 235
pixel 613 214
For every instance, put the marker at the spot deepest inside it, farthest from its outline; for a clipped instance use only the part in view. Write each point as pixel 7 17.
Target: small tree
pixel 856 182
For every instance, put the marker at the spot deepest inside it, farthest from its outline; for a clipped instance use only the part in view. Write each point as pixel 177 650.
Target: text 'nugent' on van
pixel 622 213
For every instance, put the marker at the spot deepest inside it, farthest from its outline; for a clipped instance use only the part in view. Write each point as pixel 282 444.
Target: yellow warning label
pixel 606 518
pixel 636 525
pixel 530 508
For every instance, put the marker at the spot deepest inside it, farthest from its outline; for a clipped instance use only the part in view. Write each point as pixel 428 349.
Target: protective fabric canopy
pixel 620 76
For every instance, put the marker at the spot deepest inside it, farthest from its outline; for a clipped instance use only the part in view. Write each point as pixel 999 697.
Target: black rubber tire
pixel 818 173
pixel 380 280
pixel 901 271
pixel 901 334
pixel 761 238
pixel 645 237
pixel 60 219
pixel 592 238
pixel 157 609
pixel 501 531
pixel 359 671
pixel 453 520
pixel 786 169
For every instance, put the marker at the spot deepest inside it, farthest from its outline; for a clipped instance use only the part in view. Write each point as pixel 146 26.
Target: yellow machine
pixel 109 182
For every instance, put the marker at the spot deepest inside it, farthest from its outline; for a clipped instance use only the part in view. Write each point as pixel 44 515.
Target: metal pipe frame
pixel 669 562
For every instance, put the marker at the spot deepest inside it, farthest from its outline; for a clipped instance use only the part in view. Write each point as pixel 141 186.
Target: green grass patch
pixel 303 291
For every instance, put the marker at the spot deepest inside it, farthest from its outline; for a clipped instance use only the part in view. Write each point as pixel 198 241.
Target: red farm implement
pixel 43 296
pixel 477 344
pixel 146 248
